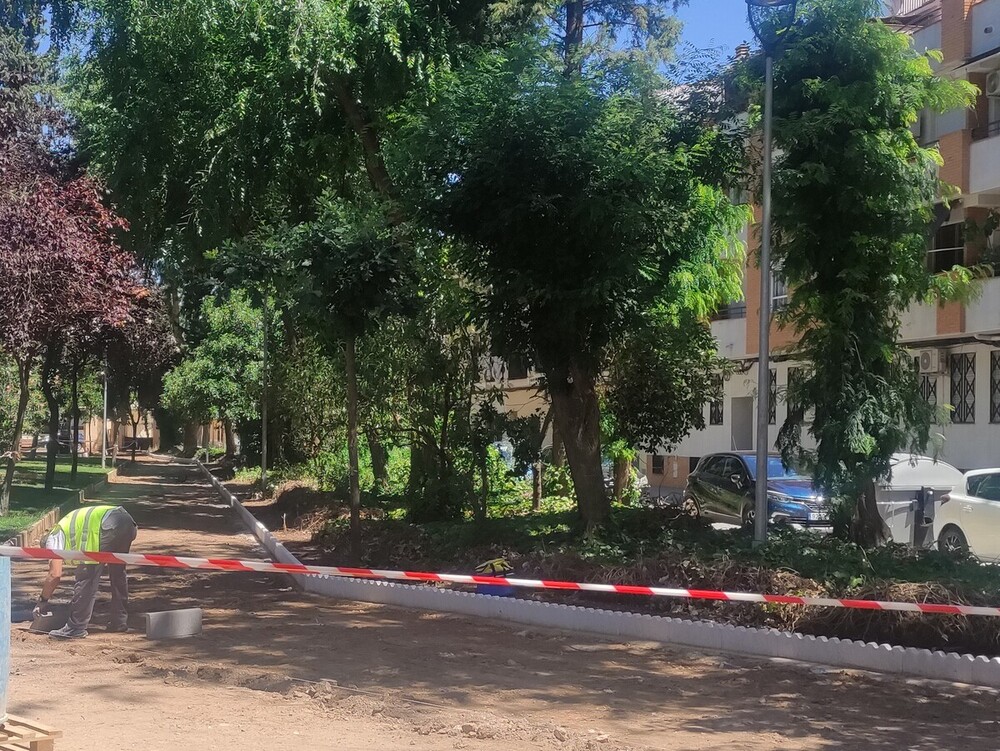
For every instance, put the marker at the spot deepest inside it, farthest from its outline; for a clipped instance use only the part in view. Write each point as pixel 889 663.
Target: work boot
pixel 68 632
pixel 118 628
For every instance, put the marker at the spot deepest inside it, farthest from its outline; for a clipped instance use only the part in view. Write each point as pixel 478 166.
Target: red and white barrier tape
pixel 225 564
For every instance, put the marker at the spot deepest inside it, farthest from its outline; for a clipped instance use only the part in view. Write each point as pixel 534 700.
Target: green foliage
pixel 659 379
pixel 9 393
pixel 355 272
pixel 852 207
pixel 221 377
pixel 613 214
pixel 557 482
pixel 585 206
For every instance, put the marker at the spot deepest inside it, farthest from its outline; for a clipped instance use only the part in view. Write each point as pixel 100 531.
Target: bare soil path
pixel 277 669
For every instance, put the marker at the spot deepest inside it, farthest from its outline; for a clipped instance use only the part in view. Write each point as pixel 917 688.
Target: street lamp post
pixel 104 424
pixel 769 20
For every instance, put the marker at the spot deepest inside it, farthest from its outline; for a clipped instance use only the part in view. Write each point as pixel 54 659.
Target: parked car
pixel 723 486
pixel 968 517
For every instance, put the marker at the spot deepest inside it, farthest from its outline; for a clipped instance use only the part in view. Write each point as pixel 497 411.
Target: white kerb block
pixel 173 624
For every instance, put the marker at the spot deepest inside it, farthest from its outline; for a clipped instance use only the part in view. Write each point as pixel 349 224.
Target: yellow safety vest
pixel 82 529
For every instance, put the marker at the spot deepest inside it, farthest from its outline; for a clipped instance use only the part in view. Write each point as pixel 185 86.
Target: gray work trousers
pixel 118 531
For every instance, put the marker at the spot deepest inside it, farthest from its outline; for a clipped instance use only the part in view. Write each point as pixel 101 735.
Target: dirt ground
pixel 277 669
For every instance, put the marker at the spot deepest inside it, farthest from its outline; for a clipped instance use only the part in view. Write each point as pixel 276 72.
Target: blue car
pixel 723 486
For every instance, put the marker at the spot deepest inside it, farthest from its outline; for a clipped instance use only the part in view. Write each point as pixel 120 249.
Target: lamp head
pixel 769 19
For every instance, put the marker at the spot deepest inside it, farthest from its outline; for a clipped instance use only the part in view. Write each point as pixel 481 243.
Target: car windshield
pixel 775 469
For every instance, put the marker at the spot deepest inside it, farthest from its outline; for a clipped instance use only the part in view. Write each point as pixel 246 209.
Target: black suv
pixel 722 487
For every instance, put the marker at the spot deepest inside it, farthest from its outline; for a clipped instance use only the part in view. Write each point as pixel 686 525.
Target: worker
pixel 104 529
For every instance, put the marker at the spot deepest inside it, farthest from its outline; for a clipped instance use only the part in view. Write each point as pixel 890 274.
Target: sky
pixel 716 23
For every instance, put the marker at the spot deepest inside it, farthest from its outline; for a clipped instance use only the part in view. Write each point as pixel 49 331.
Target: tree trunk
pixel 573 49
pixel 482 508
pixel 558 447
pixel 24 379
pixel 622 474
pixel 380 459
pixel 867 526
pixel 53 356
pixel 74 411
pixel 363 126
pixel 536 485
pixel 578 415
pixel 135 435
pixel 190 439
pixel 350 366
pixel 227 425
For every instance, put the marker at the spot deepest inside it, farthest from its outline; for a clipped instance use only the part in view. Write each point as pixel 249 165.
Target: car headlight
pixel 784 501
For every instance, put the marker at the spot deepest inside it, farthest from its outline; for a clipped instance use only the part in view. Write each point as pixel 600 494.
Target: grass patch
pixel 29 500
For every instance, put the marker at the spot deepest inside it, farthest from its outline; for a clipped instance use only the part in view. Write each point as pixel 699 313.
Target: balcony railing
pixel 731 313
pixel 903 7
pixel 941 260
pixel 986 131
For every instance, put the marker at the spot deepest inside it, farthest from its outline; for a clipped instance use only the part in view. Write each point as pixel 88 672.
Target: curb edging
pixel 706 635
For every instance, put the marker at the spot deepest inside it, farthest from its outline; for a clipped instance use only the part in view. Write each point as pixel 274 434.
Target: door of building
pixel 743 420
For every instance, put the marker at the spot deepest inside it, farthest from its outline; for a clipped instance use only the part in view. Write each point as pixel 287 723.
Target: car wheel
pixel 952 540
pixel 749 515
pixel 689 506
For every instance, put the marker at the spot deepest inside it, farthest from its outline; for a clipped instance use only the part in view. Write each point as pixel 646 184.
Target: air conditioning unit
pixel 931 361
pixel 993 84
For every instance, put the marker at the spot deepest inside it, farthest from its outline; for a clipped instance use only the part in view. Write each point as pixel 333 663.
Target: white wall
pixel 731 336
pixel 985 15
pixel 950 122
pixel 719 437
pixel 966 446
pixel 983 313
pixel 918 322
pixel 971 446
pixel 984 166
pixel 928 38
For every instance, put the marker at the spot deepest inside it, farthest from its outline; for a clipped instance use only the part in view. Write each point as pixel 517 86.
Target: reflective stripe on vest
pixel 82 529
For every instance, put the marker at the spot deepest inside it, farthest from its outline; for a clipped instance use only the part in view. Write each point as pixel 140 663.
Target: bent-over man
pixel 92 529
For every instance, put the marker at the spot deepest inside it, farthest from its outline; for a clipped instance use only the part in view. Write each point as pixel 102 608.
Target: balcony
pixel 731 312
pixel 983 313
pixel 731 335
pixel 985 28
pixel 984 161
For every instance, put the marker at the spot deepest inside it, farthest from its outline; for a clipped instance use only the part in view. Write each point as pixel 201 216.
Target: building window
pixel 517 368
pixel 657 464
pixel 963 388
pixel 772 398
pixel 794 381
pixel 716 408
pixel 948 250
pixel 779 291
pixel 995 387
pixel 928 390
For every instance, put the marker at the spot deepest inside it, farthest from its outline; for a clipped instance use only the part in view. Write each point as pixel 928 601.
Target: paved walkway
pixel 278 669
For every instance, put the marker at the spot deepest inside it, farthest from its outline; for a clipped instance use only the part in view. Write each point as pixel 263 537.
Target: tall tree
pixel 220 378
pixel 61 268
pixel 852 213
pixel 583 206
pixel 357 276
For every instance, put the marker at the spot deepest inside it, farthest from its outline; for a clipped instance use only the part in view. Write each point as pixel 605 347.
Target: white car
pixel 968 517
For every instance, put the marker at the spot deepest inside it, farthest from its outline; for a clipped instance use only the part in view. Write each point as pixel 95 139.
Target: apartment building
pixel 956 347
